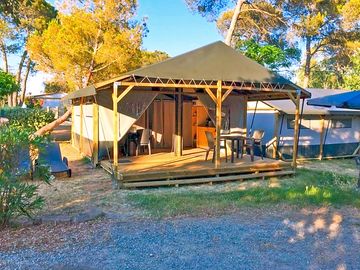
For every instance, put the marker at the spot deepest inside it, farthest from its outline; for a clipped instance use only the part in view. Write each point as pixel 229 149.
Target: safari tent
pixel 324 132
pixel 179 100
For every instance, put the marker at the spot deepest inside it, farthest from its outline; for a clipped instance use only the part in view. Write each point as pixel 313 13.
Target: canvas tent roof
pixel 288 107
pixel 348 100
pixel 207 65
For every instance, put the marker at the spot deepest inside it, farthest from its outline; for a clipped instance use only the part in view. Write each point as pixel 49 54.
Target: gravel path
pixel 321 239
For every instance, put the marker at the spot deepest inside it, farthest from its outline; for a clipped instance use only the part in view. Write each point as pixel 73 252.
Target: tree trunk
pixel 14 99
pixel 10 100
pixel 5 67
pixel 5 59
pixel 234 19
pixel 307 62
pixel 18 78
pixel 51 126
pixel 23 90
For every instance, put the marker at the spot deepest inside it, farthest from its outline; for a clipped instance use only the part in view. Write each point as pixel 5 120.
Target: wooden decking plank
pixel 206 180
pixel 128 177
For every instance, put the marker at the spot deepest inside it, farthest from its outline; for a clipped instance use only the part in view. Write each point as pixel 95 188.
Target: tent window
pixel 305 123
pixel 341 123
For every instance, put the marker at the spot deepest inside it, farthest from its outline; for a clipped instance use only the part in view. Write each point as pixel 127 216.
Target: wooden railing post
pixel 81 139
pixel 178 120
pixel 218 123
pixel 322 133
pixel 296 130
pixel 72 124
pixel 115 129
pixel 95 144
pixel 276 135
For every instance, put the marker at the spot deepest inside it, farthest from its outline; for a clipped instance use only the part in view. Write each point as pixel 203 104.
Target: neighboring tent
pixel 325 131
pixel 348 100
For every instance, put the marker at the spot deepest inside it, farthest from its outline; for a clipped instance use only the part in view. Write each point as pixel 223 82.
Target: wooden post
pixel 81 125
pixel 218 123
pixel 115 129
pixel 72 123
pixel 322 136
pixel 244 114
pixel 178 121
pixel 276 134
pixel 296 130
pixel 95 144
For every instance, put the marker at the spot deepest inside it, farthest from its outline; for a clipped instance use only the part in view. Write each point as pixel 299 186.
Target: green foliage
pixel 53 87
pixel 17 152
pixel 269 55
pixel 306 188
pixel 208 8
pixel 30 119
pixel 261 20
pixel 330 74
pixel 8 84
pixel 89 42
pixel 352 73
pixel 148 58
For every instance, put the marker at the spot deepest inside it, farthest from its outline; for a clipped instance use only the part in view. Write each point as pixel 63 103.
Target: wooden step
pixel 178 174
pixel 206 179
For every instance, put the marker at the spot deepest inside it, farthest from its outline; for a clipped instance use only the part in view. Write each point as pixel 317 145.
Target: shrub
pixel 8 84
pixel 17 196
pixel 30 119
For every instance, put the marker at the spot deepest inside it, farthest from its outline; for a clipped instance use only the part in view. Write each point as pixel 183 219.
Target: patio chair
pixel 144 140
pixel 52 157
pixel 254 141
pixel 238 130
pixel 211 146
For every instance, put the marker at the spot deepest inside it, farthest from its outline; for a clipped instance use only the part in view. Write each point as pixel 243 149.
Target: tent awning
pixel 348 100
pixel 84 92
pixel 204 67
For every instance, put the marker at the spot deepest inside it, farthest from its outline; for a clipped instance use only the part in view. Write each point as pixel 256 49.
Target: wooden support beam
pixel 226 94
pixel 72 124
pixel 115 129
pixel 208 91
pixel 178 124
pixel 276 135
pixel 126 91
pixel 95 141
pixel 322 136
pixel 218 123
pixel 81 125
pixel 296 131
pixel 202 86
pixel 293 99
pixel 356 151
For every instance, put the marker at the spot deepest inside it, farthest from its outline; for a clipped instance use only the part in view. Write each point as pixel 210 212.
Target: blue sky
pixel 173 28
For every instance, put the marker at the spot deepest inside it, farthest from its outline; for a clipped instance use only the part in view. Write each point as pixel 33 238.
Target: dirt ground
pixel 87 188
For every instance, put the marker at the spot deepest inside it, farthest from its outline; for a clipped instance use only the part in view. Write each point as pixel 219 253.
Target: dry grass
pixel 88 187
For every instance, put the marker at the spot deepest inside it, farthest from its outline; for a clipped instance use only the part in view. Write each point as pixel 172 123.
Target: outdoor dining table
pixel 239 137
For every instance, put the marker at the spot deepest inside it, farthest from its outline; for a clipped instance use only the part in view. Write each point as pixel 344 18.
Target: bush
pixel 8 84
pixel 18 197
pixel 30 119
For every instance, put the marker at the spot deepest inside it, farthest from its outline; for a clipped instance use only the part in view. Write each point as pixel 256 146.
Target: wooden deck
pixel 163 168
